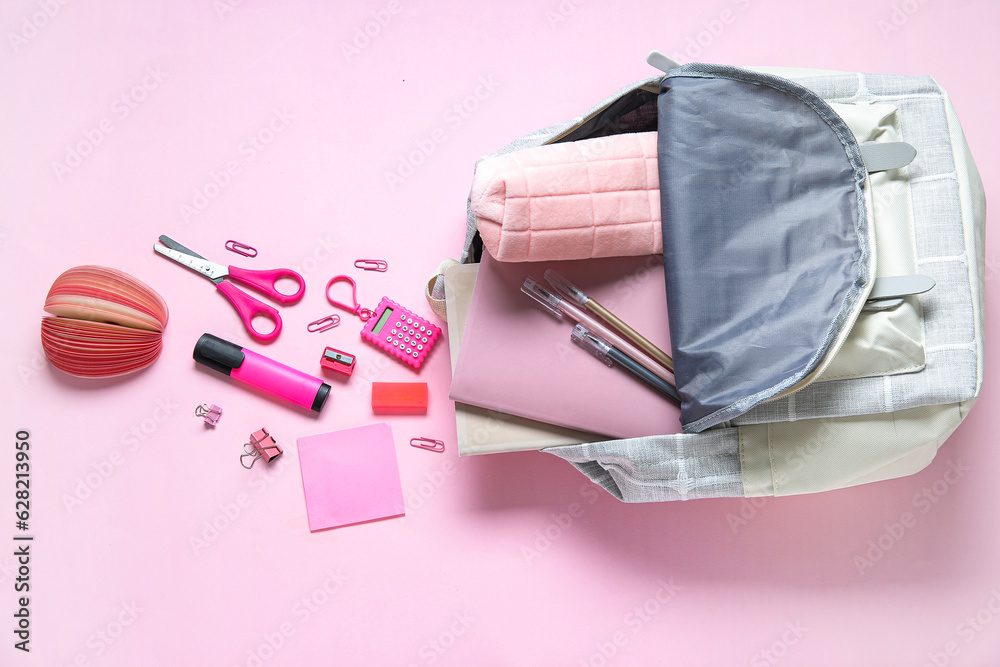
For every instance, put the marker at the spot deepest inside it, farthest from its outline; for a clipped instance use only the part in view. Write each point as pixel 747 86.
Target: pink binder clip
pixel 241 248
pixel 427 443
pixel 371 264
pixel 261 446
pixel 210 413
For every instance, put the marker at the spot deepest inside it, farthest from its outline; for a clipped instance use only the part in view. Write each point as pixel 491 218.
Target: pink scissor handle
pixel 249 307
pixel 266 281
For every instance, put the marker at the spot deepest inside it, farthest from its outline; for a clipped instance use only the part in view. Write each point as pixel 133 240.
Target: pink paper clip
pixel 210 413
pixel 323 324
pixel 427 443
pixel 261 446
pixel 241 248
pixel 371 264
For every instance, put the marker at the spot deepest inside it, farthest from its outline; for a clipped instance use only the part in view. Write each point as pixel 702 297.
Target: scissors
pixel 247 306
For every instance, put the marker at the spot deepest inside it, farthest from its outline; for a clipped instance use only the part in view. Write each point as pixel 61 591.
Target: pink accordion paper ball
pixel 105 323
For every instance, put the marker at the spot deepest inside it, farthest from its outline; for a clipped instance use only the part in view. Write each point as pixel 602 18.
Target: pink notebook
pixel 517 358
pixel 350 476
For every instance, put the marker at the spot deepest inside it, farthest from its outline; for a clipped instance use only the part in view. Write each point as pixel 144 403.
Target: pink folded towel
pixel 573 200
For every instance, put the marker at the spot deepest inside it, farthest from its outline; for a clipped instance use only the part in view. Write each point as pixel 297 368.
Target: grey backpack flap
pixel 767 247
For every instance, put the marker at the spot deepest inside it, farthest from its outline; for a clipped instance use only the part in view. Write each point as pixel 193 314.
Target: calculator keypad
pixel 404 335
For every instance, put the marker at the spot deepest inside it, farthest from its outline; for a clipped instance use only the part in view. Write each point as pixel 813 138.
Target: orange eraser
pixel 399 398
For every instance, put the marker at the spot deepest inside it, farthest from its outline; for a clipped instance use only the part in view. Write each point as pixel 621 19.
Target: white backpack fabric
pixel 879 391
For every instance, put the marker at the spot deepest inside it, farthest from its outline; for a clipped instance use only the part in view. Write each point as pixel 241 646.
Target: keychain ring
pixel 355 308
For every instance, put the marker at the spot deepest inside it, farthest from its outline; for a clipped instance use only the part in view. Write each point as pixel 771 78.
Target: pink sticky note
pixel 350 476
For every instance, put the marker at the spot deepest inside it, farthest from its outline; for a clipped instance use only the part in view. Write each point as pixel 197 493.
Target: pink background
pixel 501 560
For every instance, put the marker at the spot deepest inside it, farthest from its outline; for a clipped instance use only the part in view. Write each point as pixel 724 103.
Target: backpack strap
pixel 434 289
pixel 882 156
pixel 661 62
pixel 681 466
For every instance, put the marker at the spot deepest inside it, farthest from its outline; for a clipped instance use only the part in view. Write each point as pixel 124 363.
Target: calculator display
pixel 386 314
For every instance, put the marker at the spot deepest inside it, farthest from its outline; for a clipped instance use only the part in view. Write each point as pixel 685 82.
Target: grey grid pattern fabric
pixel 951 372
pixel 663 467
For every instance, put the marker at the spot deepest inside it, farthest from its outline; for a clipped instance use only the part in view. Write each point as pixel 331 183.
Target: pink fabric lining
pixel 574 200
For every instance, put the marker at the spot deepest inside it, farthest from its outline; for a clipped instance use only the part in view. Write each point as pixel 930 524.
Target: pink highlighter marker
pixel 259 371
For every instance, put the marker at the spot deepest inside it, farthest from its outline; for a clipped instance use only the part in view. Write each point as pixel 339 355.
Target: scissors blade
pixel 214 272
pixel 174 245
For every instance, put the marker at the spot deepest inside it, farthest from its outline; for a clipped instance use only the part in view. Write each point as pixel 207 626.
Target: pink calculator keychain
pixel 396 330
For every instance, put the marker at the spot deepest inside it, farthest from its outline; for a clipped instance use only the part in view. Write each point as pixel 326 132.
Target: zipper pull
pixel 661 62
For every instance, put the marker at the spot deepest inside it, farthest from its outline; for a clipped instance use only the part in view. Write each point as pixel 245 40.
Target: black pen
pixel 611 355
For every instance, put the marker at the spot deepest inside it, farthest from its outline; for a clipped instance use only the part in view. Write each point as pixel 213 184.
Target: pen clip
pixel 566 288
pixel 592 343
pixel 545 298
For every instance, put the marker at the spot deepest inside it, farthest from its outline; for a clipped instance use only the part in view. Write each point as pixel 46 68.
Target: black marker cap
pixel 223 356
pixel 321 394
